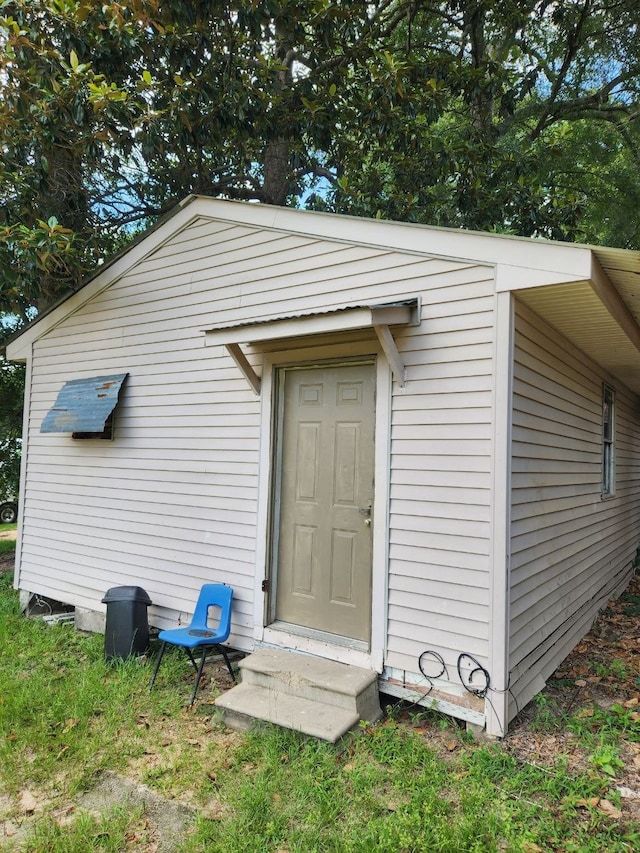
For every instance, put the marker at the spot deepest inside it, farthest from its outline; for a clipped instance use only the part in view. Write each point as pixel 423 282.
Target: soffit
pixel 579 315
pixel 622 267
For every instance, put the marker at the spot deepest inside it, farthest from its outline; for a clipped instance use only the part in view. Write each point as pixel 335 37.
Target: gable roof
pixel 590 294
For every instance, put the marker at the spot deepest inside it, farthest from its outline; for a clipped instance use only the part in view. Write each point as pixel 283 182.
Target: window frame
pixel 608 480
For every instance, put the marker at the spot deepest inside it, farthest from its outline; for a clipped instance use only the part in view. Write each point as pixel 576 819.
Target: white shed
pixel 411 449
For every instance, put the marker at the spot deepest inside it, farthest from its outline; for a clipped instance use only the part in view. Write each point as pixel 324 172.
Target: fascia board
pixel 520 258
pixel 445 243
pixel 511 277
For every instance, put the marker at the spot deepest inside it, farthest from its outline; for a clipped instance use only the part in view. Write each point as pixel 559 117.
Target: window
pixel 608 442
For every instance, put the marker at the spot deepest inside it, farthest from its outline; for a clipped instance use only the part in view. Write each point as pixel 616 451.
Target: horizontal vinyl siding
pixel 570 550
pixel 440 481
pixel 172 501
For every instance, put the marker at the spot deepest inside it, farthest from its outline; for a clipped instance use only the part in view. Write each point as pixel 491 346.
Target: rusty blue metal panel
pixel 83 405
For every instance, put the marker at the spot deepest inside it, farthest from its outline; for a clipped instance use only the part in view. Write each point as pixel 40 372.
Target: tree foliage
pixel 11 393
pixel 537 121
pixel 518 116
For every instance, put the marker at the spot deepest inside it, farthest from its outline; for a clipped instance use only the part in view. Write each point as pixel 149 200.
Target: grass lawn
pixel 7 539
pixel 413 782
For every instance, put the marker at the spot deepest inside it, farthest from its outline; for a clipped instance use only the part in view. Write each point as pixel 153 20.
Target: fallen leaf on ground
pixel 213 810
pixel 607 807
pixel 589 802
pixel 9 829
pixel 27 802
pixel 65 816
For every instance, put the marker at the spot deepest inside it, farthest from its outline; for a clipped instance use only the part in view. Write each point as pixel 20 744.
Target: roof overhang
pixel 379 318
pixel 599 314
pixel 556 279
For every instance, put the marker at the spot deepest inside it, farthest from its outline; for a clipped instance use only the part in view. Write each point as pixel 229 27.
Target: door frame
pixel 264 631
pixel 280 375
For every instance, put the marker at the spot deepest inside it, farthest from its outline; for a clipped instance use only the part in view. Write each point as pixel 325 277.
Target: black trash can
pixel 127 627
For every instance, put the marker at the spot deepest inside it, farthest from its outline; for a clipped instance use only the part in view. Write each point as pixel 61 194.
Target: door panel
pixel 323 578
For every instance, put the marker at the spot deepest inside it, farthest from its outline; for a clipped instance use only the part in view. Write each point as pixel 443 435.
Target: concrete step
pixel 316 696
pixel 317 679
pixel 247 703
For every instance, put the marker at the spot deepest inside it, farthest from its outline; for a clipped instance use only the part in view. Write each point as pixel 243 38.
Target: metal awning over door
pixel 377 317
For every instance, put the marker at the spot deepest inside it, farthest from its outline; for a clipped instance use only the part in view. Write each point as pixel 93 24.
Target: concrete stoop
pixel 318 697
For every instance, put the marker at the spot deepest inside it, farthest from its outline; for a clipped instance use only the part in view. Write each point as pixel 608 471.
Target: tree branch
pixel 572 48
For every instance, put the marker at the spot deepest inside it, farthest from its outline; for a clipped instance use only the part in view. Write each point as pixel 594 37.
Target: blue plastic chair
pixel 198 633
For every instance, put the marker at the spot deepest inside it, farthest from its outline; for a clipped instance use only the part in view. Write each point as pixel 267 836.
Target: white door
pixel 323 559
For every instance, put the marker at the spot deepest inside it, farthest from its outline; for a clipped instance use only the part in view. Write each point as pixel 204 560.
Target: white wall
pixel 172 501
pixel 570 549
pixel 440 481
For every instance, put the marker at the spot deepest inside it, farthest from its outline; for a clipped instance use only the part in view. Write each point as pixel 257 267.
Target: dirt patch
pixel 166 822
pixel 159 825
pixel 7 563
pixel 602 673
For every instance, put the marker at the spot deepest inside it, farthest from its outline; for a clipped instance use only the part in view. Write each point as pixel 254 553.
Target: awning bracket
pixel 391 351
pixel 245 368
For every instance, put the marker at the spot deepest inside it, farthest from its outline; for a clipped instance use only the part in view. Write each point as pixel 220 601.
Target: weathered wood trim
pixel 380 543
pixel 497 708
pixel 26 413
pixel 391 351
pixel 245 368
pixel 278 638
pixel 433 700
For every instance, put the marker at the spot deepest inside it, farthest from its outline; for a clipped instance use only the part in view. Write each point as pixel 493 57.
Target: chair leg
pixel 191 658
pixel 158 661
pixel 198 675
pixel 224 654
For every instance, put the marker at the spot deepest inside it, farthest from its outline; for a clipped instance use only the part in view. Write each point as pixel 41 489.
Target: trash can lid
pixel 126 593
